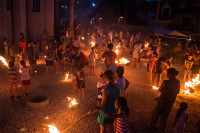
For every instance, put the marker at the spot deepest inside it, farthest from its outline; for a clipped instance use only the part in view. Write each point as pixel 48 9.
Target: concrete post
pixel 71 18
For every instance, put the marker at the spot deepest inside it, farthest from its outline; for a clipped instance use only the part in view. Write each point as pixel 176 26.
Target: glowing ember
pixel 83 38
pixel 93 44
pixel 146 45
pixel 73 102
pixel 53 129
pixel 155 87
pixel 123 61
pixel 66 76
pixel 3 60
pixel 45 57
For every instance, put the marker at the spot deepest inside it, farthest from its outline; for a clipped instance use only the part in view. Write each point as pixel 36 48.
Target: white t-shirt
pixel 25 73
pixel 92 56
pixel 121 82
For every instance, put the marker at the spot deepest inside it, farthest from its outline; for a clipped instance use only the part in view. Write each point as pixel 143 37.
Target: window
pixel 8 2
pixel 36 5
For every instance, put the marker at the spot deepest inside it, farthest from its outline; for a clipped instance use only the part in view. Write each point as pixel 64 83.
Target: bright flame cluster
pixel 191 84
pixel 53 129
pixel 146 45
pixel 66 76
pixel 73 102
pixel 3 60
pixel 155 87
pixel 123 61
pixel 93 44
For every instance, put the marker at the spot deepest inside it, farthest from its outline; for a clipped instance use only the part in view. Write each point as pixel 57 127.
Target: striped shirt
pixel 12 74
pixel 122 125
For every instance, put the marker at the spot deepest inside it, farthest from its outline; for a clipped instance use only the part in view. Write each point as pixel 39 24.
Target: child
pixel 152 61
pixel 181 118
pixel 100 88
pixel 121 125
pixel 92 57
pixel 25 77
pixel 81 80
pixel 13 80
pixel 120 80
pixel 188 67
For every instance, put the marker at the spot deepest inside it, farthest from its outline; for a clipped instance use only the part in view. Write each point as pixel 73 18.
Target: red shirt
pixel 109 55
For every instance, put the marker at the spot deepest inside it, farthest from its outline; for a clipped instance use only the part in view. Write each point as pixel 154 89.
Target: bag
pixel 126 84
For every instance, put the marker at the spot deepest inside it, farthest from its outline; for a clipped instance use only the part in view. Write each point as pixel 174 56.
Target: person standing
pixel 136 54
pixel 22 41
pixel 43 41
pixel 5 44
pixel 58 58
pixel 169 90
pixel 31 57
pixel 49 54
pixel 99 42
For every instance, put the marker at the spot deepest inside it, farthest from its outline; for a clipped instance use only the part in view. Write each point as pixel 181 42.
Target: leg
pixel 102 129
pixel 154 117
pixel 110 128
pixel 163 119
pixel 189 77
pixel 185 76
pixel 83 92
pixel 137 62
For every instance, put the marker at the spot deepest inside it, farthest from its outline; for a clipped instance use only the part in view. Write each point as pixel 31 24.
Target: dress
pixel 109 107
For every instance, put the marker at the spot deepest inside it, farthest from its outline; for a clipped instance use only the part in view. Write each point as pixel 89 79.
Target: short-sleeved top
pixel 182 120
pixel 92 56
pixel 136 48
pixel 188 63
pixel 169 93
pixel 114 93
pixel 121 83
pixel 25 73
pixel 12 74
pixel 109 54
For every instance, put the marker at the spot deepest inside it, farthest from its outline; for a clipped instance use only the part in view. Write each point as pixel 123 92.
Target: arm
pixel 78 74
pixel 185 64
pixel 104 98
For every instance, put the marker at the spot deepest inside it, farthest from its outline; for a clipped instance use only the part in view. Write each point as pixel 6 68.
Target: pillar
pixel 71 18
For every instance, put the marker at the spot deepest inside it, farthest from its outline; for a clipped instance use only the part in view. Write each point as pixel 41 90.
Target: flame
pixel 93 43
pixel 123 61
pixel 20 71
pixel 66 76
pixel 83 38
pixel 45 56
pixel 53 129
pixel 73 102
pixel 155 87
pixel 191 84
pixel 117 51
pixel 3 60
pixel 116 62
pixel 146 45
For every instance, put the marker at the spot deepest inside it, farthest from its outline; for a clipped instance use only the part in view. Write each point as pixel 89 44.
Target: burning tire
pixel 37 102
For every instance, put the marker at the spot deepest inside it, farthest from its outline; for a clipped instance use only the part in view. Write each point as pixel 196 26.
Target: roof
pixel 170 34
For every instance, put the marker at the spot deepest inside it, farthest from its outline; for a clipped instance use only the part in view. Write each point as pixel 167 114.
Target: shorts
pixel 26 82
pixel 13 85
pixel 195 69
pixel 189 72
pixel 49 63
pixel 81 84
pixel 92 63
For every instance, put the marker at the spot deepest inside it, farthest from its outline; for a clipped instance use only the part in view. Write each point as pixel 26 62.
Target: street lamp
pixel 100 20
pixel 91 21
pixel 120 19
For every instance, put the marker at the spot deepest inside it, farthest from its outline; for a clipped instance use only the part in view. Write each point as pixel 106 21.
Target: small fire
pixel 191 84
pixel 53 129
pixel 117 51
pixel 20 71
pixel 93 44
pixel 73 102
pixel 155 87
pixel 66 76
pixel 123 61
pixel 116 62
pixel 83 38
pixel 3 60
pixel 146 45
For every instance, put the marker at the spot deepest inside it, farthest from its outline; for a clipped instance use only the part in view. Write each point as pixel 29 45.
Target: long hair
pixel 109 75
pixel 183 107
pixel 123 105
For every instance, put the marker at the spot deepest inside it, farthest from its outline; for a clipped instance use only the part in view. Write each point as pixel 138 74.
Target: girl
pixel 121 124
pixel 25 77
pixel 81 80
pixel 152 61
pixel 181 118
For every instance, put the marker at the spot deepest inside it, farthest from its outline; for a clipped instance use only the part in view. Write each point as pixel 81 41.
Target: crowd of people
pixel 111 104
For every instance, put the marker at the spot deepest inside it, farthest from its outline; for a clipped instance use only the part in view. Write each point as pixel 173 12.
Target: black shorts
pixel 81 84
pixel 49 63
pixel 195 69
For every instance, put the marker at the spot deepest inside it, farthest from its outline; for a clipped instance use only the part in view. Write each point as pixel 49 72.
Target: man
pixel 99 42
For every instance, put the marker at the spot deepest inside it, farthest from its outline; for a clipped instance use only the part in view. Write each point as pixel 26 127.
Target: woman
pixel 169 90
pixel 58 58
pixel 110 94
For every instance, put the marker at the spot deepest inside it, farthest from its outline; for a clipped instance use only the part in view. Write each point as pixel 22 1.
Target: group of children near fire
pixel 154 66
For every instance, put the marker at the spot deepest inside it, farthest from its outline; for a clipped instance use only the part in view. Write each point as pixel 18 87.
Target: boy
pixel 13 80
pixel 188 67
pixel 92 57
pixel 25 77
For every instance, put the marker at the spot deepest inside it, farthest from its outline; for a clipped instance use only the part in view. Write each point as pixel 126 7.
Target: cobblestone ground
pixel 16 117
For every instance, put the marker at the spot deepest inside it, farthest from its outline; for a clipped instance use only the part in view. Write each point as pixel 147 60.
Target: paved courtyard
pixel 16 117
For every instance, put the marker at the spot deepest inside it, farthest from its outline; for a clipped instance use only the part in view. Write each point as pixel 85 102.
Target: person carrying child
pixel 81 80
pixel 100 88
pixel 181 118
pixel 13 80
pixel 25 77
pixel 92 58
pixel 188 67
pixel 121 117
